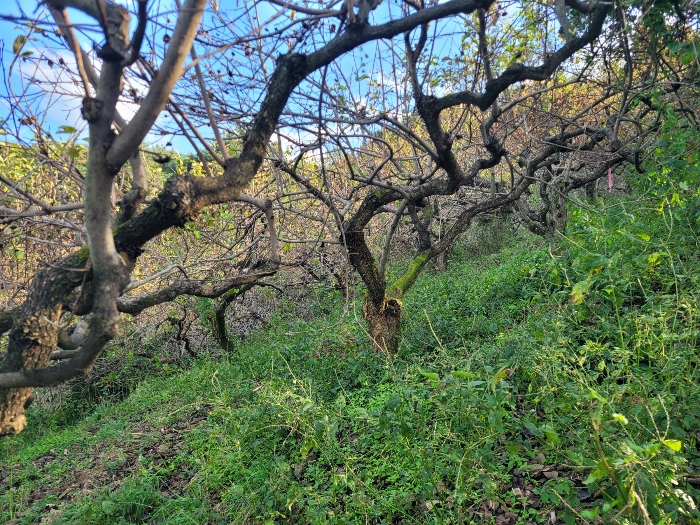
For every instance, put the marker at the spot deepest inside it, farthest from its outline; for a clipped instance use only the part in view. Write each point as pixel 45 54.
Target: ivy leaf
pixel 687 58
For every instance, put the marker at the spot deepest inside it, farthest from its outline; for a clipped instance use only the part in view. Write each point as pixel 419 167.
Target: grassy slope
pixel 508 365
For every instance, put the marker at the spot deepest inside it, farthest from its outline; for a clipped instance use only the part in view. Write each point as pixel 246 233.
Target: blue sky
pixel 59 111
pixel 360 67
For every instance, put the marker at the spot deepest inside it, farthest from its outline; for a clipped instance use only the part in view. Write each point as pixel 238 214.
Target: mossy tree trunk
pixel 383 305
pixel 384 316
pixel 383 322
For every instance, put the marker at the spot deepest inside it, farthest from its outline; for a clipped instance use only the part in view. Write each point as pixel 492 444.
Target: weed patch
pixel 545 383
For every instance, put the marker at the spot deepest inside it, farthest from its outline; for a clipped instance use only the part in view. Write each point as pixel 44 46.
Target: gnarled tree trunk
pixel 383 322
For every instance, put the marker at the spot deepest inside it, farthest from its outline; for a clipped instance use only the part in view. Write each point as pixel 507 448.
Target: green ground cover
pixel 555 381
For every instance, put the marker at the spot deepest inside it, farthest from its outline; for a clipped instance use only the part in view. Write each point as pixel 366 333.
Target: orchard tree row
pixel 310 128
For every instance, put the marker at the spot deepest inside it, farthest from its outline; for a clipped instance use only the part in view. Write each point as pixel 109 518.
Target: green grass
pixel 550 377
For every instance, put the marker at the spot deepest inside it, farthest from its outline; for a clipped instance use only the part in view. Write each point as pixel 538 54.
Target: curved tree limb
pixel 518 72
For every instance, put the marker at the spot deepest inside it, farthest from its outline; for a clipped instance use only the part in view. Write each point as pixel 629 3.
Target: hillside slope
pixel 551 382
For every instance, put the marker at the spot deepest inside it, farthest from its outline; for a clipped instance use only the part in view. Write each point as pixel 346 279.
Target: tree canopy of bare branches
pixel 317 123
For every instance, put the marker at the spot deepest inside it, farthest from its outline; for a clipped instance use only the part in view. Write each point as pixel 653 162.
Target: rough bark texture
pixel 33 331
pixel 218 317
pixel 559 212
pixel 34 335
pixel 383 322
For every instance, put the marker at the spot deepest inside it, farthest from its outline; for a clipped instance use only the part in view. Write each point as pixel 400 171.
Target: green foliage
pixel 543 378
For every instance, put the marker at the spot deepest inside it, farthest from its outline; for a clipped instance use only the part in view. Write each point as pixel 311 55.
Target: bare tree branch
pixel 159 92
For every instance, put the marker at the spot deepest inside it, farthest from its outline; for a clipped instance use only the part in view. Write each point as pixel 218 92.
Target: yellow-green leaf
pixel 463 374
pixel 18 43
pixel 429 375
pixel 673 444
pixel 622 419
